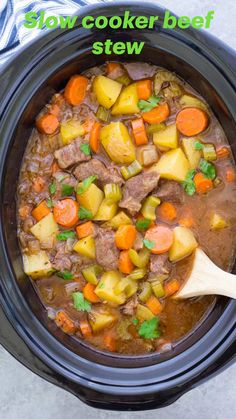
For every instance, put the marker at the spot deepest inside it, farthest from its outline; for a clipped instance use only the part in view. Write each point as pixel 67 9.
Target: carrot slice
pixel 171 287
pixel 125 237
pixel 47 124
pixel 111 67
pixel 139 131
pixel 160 238
pixel 89 293
pixel 75 90
pixel 125 265
pixel 167 211
pixel 222 153
pixel 192 121
pixel 55 167
pixel 157 115
pixel 110 343
pixel 38 184
pixel 230 175
pixel 85 328
pixel 144 89
pixel 40 211
pixel 154 305
pixel 63 321
pixel 66 212
pixel 202 184
pixel 24 211
pixel 94 137
pixel 85 230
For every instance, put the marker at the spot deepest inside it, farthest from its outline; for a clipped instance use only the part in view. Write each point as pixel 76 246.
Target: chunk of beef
pixel 63 178
pixel 71 154
pixel 140 70
pixel 159 264
pixel 95 167
pixel 170 191
pixel 130 306
pixel 62 263
pixel 107 253
pixel 136 189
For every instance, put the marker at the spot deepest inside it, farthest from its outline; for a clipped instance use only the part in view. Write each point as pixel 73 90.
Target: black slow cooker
pixel 100 379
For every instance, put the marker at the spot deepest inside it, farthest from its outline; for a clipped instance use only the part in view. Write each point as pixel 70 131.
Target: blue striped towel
pixel 12 32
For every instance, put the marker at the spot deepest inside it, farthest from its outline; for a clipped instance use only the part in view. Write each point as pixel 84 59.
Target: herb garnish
pixel 85 148
pixel 143 224
pixel 65 275
pixel 86 184
pixel 85 213
pixel 80 303
pixel 66 189
pixel 148 105
pixel 149 329
pixel 208 169
pixel 52 188
pixel 149 244
pixel 64 235
pixel 188 184
pixel 198 145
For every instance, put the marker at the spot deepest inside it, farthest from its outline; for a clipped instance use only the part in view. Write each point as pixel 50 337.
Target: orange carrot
pixel 222 153
pixel 202 184
pixel 192 121
pixel 157 115
pixel 144 89
pixel 125 264
pixel 171 287
pixel 89 293
pixel 85 230
pixel 94 137
pixel 160 239
pixel 186 221
pixel 111 67
pixel 85 328
pixel 110 343
pixel 230 175
pixel 167 211
pixel 55 167
pixel 24 211
pixel 63 321
pixel 38 184
pixel 66 212
pixel 125 237
pixel 40 211
pixel 154 305
pixel 75 90
pixel 47 124
pixel 139 131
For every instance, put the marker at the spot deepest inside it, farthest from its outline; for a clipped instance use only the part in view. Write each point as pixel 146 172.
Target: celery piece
pixel 113 192
pixel 140 259
pixel 149 206
pixel 132 170
pixel 151 129
pixel 146 292
pixel 91 273
pixel 158 289
pixel 137 274
pixel 103 114
pixel 209 152
pixel 124 79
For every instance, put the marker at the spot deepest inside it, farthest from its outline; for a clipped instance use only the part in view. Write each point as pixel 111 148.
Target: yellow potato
pixel 106 211
pixel 106 91
pixel 86 247
pixel 167 138
pixel 91 199
pixel 106 288
pixel 188 101
pixel 45 228
pixel 217 222
pixel 101 320
pixel 37 265
pixel 143 313
pixel 127 102
pixel 183 245
pixel 117 143
pixel 70 130
pixel 172 165
pixel 120 219
pixel 192 154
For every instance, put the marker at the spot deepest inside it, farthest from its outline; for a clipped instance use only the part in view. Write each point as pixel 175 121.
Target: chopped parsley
pixel 80 303
pixel 101 285
pixel 198 145
pixel 149 329
pixel 135 322
pixel 67 275
pixel 188 184
pixel 52 188
pixel 64 235
pixel 61 177
pixel 84 213
pixel 148 105
pixel 208 169
pixel 86 184
pixel 85 148
pixel 49 203
pixel 143 224
pixel 149 244
pixel 66 189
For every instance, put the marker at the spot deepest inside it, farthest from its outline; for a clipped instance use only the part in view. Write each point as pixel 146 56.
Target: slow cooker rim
pixel 126 5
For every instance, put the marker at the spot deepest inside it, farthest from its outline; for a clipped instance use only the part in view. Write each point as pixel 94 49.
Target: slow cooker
pixel 100 379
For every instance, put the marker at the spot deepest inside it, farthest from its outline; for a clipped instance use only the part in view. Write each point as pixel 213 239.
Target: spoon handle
pixel 206 279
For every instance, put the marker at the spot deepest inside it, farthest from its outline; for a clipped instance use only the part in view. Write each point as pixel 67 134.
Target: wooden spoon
pixel 206 278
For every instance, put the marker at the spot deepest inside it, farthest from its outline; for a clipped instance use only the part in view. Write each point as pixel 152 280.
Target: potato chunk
pixel 106 91
pixel 188 101
pixel 70 130
pixel 143 313
pixel 117 143
pixel 218 222
pixel 106 289
pixel 166 138
pixel 172 165
pixel 101 320
pixel 91 199
pixel 192 154
pixel 37 265
pixel 120 219
pixel 45 228
pixel 86 247
pixel 183 245
pixel 106 211
pixel 127 102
